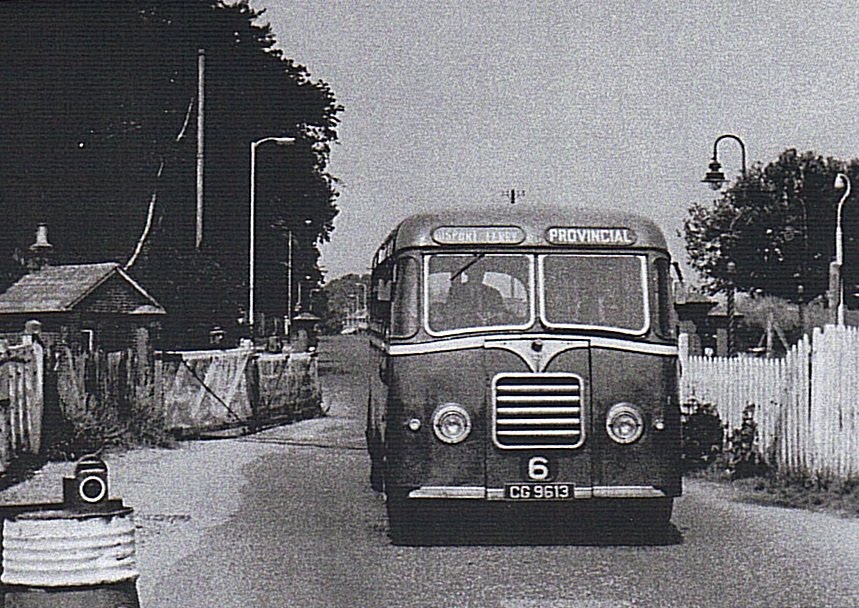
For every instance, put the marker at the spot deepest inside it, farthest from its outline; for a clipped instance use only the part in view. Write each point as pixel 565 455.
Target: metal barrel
pixel 69 559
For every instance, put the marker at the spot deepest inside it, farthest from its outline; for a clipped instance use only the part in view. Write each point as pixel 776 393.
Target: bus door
pixel 538 417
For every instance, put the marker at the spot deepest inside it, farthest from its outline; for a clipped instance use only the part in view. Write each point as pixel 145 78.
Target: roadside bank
pixel 177 495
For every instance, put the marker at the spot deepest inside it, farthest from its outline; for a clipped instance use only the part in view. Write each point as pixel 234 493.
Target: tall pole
pixel 201 90
pixel 841 181
pixel 730 307
pixel 800 290
pixel 252 229
pixel 251 243
pixel 289 283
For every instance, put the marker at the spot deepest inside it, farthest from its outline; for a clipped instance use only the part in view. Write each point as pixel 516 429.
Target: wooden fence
pixel 805 404
pixel 63 398
pixel 135 394
pixel 109 396
pixel 21 400
pixel 212 390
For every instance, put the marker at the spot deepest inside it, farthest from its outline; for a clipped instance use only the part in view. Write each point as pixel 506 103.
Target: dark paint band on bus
pixel 520 227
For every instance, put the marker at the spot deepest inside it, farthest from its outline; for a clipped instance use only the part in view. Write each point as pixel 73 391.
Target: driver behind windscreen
pixel 473 301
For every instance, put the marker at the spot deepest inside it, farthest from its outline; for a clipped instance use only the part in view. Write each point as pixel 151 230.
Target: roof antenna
pixel 513 195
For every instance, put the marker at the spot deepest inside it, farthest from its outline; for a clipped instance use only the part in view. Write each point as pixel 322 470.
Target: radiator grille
pixel 537 411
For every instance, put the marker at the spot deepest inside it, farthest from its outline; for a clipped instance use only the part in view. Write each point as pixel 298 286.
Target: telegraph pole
pixel 201 90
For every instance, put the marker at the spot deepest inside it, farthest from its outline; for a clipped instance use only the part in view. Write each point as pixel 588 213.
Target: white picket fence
pixel 806 406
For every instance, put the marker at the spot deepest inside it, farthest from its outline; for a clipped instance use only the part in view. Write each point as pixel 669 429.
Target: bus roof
pixel 520 226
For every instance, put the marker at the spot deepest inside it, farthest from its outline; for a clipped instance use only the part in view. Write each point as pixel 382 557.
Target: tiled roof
pixel 60 288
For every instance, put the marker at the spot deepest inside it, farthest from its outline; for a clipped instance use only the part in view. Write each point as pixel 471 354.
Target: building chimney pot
pixel 41 243
pixel 40 251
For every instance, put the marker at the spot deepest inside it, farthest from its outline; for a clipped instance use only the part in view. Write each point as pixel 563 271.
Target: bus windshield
pixel 594 291
pixel 468 292
pixel 478 290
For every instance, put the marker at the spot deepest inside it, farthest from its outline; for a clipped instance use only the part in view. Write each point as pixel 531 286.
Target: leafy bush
pixel 743 458
pixel 703 434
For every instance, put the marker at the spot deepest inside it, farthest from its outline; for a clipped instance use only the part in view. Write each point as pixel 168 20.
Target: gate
pixel 21 400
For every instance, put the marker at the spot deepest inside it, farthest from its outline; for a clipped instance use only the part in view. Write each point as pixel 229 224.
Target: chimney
pixel 39 252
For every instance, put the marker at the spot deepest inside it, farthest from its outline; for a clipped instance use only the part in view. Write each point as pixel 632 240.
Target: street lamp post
pixel 730 306
pixel 715 177
pixel 289 311
pixel 300 304
pixel 252 240
pixel 842 182
pixel 800 291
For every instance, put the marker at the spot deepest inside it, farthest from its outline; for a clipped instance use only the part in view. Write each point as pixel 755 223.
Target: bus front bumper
pixel 482 493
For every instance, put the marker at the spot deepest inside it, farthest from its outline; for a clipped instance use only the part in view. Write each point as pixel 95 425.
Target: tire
pixel 651 511
pixel 635 513
pixel 377 459
pixel 659 513
pixel 377 472
pixel 402 517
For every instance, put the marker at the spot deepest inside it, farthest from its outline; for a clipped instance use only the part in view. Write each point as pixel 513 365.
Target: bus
pixel 523 356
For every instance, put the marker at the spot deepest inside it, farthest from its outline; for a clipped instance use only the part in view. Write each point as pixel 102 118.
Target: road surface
pixel 286 518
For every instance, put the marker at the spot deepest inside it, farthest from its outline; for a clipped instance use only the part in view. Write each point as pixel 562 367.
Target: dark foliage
pixel 342 296
pixel 744 460
pixel 703 434
pixel 777 224
pixel 98 130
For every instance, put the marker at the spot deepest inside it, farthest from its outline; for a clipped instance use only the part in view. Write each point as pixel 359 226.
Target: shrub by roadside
pixel 713 453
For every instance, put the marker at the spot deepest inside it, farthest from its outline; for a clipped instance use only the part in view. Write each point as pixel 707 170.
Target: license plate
pixel 538 491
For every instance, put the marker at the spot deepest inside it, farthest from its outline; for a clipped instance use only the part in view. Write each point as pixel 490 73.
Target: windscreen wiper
pixel 468 264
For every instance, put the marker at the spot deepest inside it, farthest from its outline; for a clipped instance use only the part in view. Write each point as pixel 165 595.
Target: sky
pixel 605 104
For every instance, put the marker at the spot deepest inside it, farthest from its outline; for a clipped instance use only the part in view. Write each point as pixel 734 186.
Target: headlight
pixel 451 423
pixel 624 423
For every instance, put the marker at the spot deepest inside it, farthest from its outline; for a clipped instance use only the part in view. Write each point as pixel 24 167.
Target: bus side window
pixel 381 283
pixel 404 313
pixel 664 300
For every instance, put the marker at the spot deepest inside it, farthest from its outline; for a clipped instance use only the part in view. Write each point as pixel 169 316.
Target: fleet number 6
pixel 538 468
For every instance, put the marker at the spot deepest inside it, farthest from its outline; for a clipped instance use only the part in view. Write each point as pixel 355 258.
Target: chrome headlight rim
pixel 438 419
pixel 624 409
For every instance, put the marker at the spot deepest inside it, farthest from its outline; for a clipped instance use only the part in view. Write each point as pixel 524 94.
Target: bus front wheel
pixel 649 511
pixel 402 517
pixel 377 471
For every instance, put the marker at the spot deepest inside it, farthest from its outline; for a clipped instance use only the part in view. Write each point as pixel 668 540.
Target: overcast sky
pixel 607 104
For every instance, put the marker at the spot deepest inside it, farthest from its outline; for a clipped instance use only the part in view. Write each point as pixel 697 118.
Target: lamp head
pixel 841 181
pixel 714 177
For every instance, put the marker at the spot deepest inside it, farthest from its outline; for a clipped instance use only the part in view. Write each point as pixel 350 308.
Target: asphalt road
pixel 292 522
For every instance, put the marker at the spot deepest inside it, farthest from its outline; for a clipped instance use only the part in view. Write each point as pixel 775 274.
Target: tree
pixel 98 124
pixel 777 225
pixel 342 295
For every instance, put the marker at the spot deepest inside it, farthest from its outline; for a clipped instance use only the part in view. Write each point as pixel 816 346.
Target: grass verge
pixel 771 489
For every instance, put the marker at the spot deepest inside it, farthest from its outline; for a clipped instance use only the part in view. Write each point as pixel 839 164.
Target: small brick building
pixel 86 306
pixel 705 320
